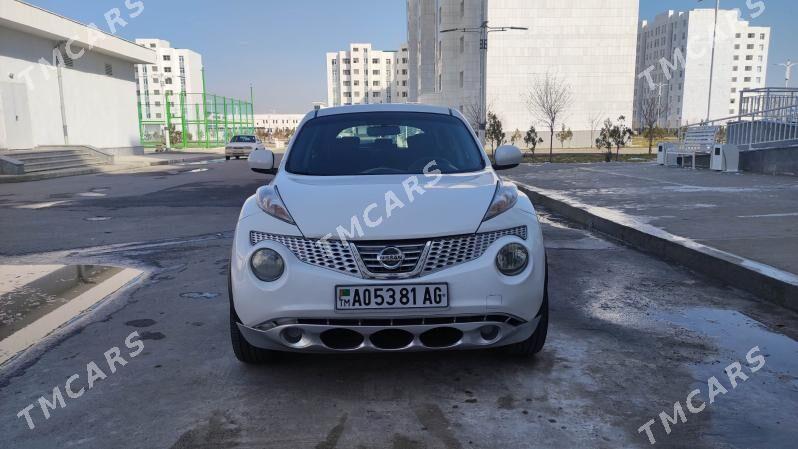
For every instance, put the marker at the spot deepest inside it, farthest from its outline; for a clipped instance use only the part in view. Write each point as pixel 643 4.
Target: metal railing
pixel 768 119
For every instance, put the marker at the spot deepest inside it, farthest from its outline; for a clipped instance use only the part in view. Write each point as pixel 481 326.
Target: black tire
pixel 227 158
pixel 244 351
pixel 535 342
pixel 238 157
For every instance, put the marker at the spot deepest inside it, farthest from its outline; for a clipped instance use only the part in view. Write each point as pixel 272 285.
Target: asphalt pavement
pixel 629 337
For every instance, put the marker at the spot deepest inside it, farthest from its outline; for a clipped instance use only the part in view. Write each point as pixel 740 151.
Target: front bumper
pixel 475 333
pixel 302 300
pixel 237 151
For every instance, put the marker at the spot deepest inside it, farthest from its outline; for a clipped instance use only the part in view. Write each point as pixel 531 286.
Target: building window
pixel 356 71
pixel 152 46
pixel 167 58
pixel 167 69
pixel 355 60
pixel 356 49
pixel 157 92
pixel 347 83
pixel 168 80
pixel 404 94
pixel 375 83
pixel 375 60
pixel 461 79
pixel 388 61
pixel 157 115
pixel 109 70
pixel 462 8
pixel 375 94
pixel 346 72
pixel 747 79
pixel 462 44
pixel 155 68
pixel 375 72
pixel 346 60
pixel 762 36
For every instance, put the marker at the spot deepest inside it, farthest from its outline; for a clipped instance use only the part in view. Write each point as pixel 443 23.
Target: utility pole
pixel 483 31
pixel 787 71
pixel 712 60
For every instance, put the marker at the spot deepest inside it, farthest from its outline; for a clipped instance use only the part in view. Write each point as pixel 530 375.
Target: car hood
pixel 384 208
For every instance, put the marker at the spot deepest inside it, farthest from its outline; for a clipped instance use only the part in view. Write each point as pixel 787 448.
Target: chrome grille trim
pixel 366 256
pixel 449 251
pixel 359 259
pixel 313 252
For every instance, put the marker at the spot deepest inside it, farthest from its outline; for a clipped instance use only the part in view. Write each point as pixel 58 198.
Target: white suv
pixel 386 229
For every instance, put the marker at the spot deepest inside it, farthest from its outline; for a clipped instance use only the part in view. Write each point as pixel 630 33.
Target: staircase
pixel 51 158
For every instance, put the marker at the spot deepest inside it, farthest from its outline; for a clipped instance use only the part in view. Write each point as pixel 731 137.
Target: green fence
pixel 194 120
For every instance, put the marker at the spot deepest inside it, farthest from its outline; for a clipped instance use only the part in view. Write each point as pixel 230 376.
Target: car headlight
pixel 270 202
pixel 512 259
pixel 267 264
pixel 503 200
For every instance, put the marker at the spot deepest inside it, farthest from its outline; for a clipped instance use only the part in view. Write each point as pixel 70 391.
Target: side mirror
pixel 507 156
pixel 262 161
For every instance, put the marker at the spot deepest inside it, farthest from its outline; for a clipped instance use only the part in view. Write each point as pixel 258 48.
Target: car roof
pixel 383 107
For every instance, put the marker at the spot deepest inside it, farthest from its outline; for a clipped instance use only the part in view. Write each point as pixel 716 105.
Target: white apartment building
pixel 589 44
pixel 674 52
pixel 270 123
pixel 65 83
pixel 362 75
pixel 176 70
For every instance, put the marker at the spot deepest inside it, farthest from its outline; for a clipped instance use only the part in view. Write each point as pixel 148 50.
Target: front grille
pixel 448 251
pixel 420 256
pixel 332 254
pixel 369 253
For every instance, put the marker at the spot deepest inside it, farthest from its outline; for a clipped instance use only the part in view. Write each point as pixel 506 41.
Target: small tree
pixel 548 100
pixel 494 132
pixel 594 120
pixel 620 136
pixel 649 115
pixel 604 140
pixel 517 137
pixel 564 135
pixel 531 139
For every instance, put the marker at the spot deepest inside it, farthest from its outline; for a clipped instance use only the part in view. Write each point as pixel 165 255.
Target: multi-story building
pixel 588 44
pixel 362 75
pixel 270 123
pixel 176 70
pixel 674 53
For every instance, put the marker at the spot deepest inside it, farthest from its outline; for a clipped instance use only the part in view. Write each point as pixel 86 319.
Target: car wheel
pixel 237 157
pixel 227 158
pixel 534 343
pixel 244 351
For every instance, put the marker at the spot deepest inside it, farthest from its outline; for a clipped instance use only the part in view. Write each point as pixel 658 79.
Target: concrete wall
pixel 100 109
pixel 775 161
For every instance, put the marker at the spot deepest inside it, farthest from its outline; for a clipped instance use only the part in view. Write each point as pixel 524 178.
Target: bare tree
pixel 649 115
pixel 475 115
pixel 548 100
pixel 594 120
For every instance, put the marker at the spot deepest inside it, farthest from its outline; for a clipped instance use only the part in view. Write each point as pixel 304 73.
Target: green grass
pixel 564 158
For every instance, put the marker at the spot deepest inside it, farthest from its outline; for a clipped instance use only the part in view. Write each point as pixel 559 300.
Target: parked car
pixel 386 228
pixel 241 145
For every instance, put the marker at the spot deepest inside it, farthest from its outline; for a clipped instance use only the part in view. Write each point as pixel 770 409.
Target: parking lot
pixel 629 336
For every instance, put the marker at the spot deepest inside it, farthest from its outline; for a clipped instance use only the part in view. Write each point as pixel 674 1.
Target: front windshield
pixel 377 143
pixel 245 139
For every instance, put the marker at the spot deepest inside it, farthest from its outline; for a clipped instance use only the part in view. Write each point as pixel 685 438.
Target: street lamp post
pixel 712 60
pixel 483 31
pixel 787 71
pixel 659 100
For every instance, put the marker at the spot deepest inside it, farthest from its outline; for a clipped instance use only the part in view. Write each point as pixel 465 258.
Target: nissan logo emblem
pixel 391 257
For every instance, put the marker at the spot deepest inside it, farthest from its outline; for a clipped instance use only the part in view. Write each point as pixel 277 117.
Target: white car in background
pixel 241 145
pixel 386 229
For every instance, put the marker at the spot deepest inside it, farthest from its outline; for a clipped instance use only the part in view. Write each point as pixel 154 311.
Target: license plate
pixel 404 296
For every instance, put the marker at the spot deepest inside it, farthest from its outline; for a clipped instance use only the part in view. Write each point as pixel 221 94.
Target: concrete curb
pixel 770 283
pixel 38 176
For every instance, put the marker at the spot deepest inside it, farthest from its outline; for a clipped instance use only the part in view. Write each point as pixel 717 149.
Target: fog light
pixel 292 335
pixel 489 333
pixel 267 264
pixel 512 259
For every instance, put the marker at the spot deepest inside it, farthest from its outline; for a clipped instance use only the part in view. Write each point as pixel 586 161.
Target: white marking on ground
pixel 789 214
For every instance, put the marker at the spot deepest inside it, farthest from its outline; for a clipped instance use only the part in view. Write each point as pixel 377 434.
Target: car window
pixel 383 143
pixel 245 139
